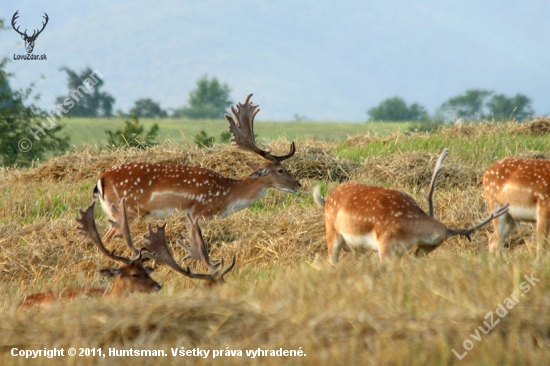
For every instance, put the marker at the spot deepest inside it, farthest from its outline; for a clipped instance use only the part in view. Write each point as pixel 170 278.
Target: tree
pixel 90 102
pixel 131 135
pixel 209 100
pixel 395 109
pixel 147 108
pixel 482 104
pixel 25 135
pixel 468 106
pixel 504 108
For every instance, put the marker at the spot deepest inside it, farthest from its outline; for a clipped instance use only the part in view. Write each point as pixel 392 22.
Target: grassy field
pixel 282 293
pixel 92 130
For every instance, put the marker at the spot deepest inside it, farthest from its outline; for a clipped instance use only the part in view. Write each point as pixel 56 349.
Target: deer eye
pixel 135 276
pixel 280 171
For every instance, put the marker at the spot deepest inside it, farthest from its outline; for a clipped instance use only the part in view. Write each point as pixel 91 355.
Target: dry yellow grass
pixel 282 293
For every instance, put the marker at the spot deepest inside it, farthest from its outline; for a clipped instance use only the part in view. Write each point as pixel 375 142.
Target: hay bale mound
pixel 414 169
pixel 536 127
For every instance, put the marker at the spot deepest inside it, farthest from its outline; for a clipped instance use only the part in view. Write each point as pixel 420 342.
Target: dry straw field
pixel 282 293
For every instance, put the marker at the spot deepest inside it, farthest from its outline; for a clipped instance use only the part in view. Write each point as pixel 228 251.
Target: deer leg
pixel 335 241
pixel 504 226
pixel 423 250
pixel 543 223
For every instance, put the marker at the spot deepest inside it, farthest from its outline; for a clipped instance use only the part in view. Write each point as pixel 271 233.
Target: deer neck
pixel 243 193
pixel 118 289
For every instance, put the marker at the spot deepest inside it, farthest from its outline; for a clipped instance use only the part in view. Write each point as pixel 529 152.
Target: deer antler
pixel 197 248
pixel 43 26
pixel 437 169
pixel 156 242
pixel 121 225
pixel 497 212
pixel 15 16
pixel 241 125
pixel 88 228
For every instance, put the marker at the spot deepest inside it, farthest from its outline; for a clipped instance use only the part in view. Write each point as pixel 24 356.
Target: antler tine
pixel 437 169
pixel 15 16
pixel 43 24
pixel 121 225
pixel 88 228
pixel 497 212
pixel 219 275
pixel 241 125
pixel 155 242
pixel 197 247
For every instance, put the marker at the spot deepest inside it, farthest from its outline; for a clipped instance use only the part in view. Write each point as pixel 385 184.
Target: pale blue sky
pixel 325 60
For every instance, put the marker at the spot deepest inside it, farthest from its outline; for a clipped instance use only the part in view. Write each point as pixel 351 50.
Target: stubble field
pixel 282 293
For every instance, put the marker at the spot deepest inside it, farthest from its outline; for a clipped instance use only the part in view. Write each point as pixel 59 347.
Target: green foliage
pixel 147 108
pixel 209 100
pixel 468 106
pixel 395 109
pixel 503 108
pixel 484 104
pixel 25 135
pixel 225 137
pixel 203 140
pixel 90 101
pixel 131 135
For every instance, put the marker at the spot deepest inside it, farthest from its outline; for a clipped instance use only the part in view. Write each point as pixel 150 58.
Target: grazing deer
pixel 525 185
pixel 156 243
pixel 385 220
pixel 160 189
pixel 133 276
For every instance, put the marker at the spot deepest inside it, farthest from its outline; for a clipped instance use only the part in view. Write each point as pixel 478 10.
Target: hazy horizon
pixel 319 60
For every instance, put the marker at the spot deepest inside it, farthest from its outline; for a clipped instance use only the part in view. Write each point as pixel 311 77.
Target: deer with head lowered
pixel 155 241
pixel 160 189
pixel 385 220
pixel 132 276
pixel 525 185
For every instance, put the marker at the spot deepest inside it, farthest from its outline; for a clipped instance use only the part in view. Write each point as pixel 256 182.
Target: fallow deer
pixel 385 220
pixel 133 276
pixel 155 242
pixel 525 185
pixel 160 189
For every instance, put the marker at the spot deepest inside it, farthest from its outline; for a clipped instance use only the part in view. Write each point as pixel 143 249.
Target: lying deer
pixel 160 189
pixel 525 184
pixel 385 220
pixel 155 241
pixel 132 276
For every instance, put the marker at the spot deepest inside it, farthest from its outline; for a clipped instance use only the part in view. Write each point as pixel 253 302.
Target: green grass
pixel 92 130
pixel 479 150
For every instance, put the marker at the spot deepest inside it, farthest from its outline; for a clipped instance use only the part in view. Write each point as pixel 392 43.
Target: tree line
pixel 474 104
pixel 210 99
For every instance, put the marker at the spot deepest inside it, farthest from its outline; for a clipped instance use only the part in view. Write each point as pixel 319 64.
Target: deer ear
pixel 258 173
pixel 252 165
pixel 110 272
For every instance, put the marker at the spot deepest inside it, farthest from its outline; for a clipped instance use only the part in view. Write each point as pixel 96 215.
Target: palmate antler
pixel 241 125
pixel 88 228
pixel 156 243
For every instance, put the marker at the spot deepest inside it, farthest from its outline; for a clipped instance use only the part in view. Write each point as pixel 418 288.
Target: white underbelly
pixel 523 213
pixel 367 241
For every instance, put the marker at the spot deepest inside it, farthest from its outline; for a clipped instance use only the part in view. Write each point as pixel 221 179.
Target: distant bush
pixel 395 109
pixel 131 135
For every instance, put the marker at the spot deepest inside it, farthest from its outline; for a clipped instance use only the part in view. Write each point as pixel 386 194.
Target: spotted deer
pixel 155 241
pixel 525 185
pixel 160 189
pixel 385 220
pixel 132 276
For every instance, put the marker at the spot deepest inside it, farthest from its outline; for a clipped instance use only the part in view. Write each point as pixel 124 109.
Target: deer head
pixel 29 40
